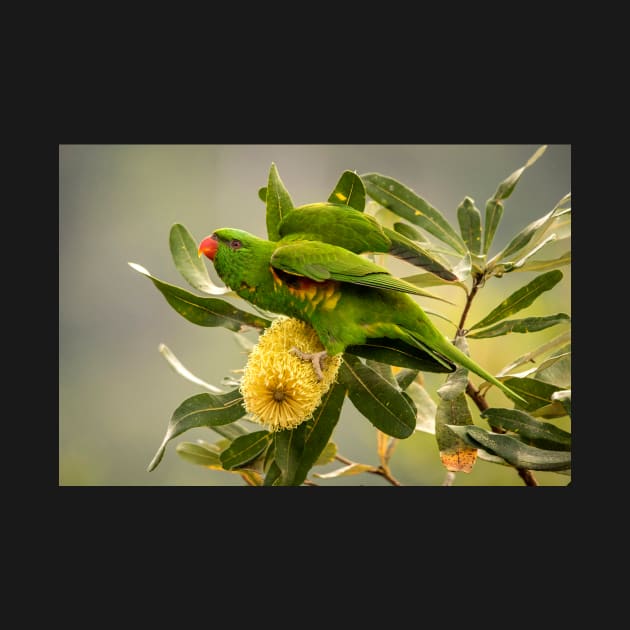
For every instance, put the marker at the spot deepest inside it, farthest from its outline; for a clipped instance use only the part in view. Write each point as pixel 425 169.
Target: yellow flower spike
pixel 280 390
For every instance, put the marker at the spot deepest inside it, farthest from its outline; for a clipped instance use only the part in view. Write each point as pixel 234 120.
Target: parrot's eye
pixel 235 243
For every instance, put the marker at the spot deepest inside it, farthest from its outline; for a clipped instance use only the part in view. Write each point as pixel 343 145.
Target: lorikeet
pixel 346 298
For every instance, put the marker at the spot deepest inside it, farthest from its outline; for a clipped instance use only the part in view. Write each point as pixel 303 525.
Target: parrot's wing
pixel 335 224
pixel 407 250
pixel 322 261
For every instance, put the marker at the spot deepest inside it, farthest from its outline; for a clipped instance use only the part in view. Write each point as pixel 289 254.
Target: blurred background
pixel 117 204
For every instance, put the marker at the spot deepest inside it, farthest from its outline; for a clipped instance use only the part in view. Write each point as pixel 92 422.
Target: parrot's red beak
pixel 208 246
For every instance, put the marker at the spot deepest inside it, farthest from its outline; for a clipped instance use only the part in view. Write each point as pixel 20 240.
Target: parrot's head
pixel 236 254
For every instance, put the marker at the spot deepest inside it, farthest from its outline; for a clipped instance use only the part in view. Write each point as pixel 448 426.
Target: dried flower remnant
pixel 280 390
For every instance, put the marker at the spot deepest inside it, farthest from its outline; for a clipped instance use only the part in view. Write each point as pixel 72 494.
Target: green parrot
pixel 346 298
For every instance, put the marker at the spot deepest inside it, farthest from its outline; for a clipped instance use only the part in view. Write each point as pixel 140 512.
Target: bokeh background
pixel 117 204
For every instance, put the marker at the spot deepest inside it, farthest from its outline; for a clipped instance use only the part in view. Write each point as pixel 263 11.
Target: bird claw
pixel 314 357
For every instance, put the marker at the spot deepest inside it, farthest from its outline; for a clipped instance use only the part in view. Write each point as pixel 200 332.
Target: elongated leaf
pixel 349 191
pixel 531 431
pixel 395 352
pixel 405 377
pixel 469 219
pixel 533 233
pixel 385 371
pixel 245 448
pixel 522 298
pixel 455 453
pixel 345 471
pixel 556 370
pixel 174 362
pixel 536 353
pixel 204 311
pixel 407 204
pixel 202 410
pixel 506 187
pixel 318 431
pixel 426 408
pixel 514 451
pixel 327 455
pixel 431 280
pixel 409 231
pixel 453 409
pixel 564 398
pixel 383 405
pixel 189 264
pixel 494 212
pixel 279 203
pixel 536 393
pixel 200 454
pixel 289 445
pixel 545 265
pixel 274 475
pixel 230 431
pixel 526 325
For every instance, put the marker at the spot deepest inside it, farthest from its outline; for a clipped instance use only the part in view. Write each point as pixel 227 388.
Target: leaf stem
pixel 383 471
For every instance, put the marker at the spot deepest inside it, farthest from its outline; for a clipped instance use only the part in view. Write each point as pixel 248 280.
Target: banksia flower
pixel 280 390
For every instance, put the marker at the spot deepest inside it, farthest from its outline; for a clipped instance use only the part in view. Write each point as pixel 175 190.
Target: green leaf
pixel 530 357
pixel 245 448
pixel 200 454
pixel 204 311
pixel 410 232
pixel 494 212
pixel 318 430
pixel 526 325
pixel 494 205
pixel 407 204
pixel 506 187
pixel 297 450
pixel 469 219
pixel 289 445
pixel 426 408
pixel 262 194
pixel 384 370
pixel 564 398
pixel 381 403
pixel 544 265
pixel 395 352
pixel 274 475
pixel 202 410
pixel 230 431
pixel 279 203
pixel 529 429
pixel 405 377
pixel 536 393
pixel 349 191
pixel 423 280
pixel 455 453
pixel 177 366
pixel 327 455
pixel 514 451
pixel 453 409
pixel 533 233
pixel 456 382
pixel 189 263
pixel 522 298
pixel 555 370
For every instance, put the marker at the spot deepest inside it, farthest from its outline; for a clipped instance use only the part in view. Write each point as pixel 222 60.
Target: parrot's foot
pixel 315 358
